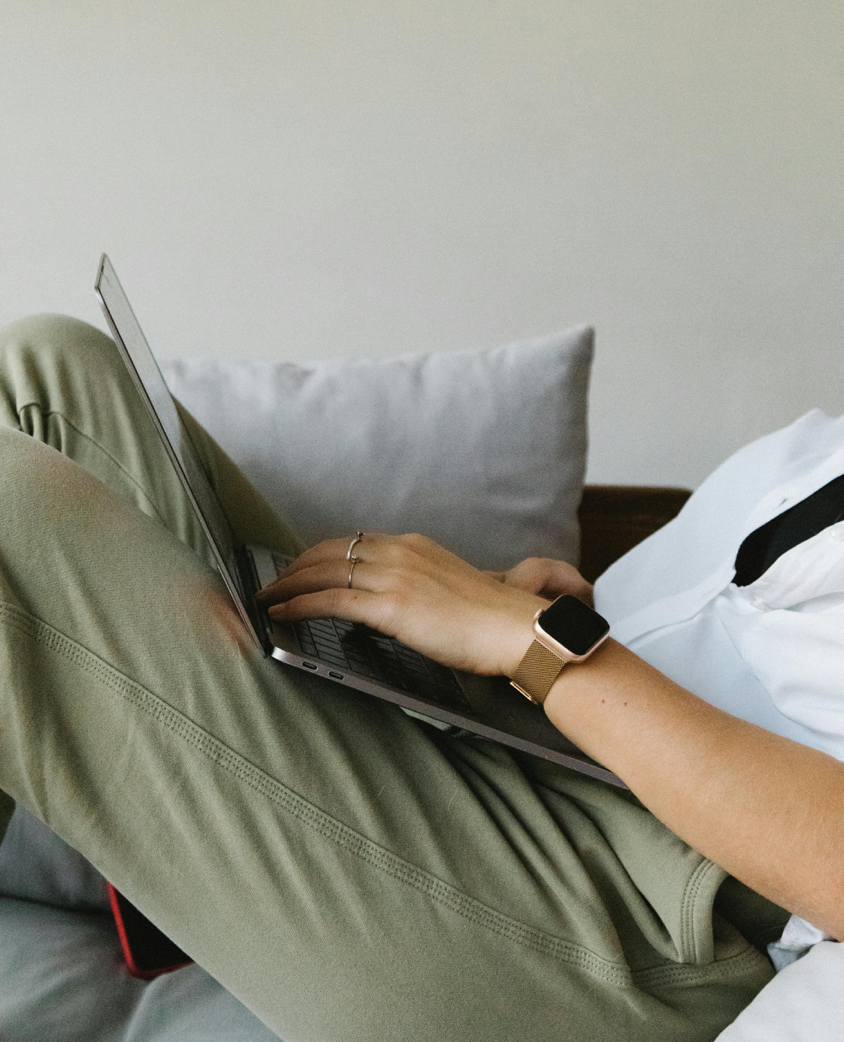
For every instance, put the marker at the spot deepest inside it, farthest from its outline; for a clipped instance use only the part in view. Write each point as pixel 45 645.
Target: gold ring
pixel 353 544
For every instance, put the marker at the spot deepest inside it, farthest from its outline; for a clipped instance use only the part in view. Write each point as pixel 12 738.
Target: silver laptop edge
pixel 150 384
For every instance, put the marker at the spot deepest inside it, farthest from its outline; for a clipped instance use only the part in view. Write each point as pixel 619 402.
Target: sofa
pixel 484 450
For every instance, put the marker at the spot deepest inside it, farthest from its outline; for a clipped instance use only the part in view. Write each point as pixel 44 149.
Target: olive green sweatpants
pixel 349 874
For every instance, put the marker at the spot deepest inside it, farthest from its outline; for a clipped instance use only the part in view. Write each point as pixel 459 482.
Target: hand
pixel 410 588
pixel 547 578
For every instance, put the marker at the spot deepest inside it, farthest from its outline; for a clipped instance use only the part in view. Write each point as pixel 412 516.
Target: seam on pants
pixel 333 830
pixel 694 885
pixel 682 975
pixel 337 832
pixel 96 444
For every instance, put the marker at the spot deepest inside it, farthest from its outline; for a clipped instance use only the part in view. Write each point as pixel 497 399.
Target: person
pixel 347 871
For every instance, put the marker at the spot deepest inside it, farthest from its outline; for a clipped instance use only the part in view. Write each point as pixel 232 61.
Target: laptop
pixel 343 652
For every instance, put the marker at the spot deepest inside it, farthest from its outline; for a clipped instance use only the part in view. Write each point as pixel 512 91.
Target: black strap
pixel 797 524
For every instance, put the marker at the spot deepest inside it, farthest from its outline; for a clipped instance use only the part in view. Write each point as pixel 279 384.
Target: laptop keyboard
pixel 368 653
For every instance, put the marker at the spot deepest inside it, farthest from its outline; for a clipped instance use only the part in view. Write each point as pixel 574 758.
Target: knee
pixel 41 354
pixel 55 335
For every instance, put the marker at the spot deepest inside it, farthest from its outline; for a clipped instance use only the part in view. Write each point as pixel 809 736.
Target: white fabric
pixel 771 652
pixel 797 938
pixel 483 450
pixel 801 1004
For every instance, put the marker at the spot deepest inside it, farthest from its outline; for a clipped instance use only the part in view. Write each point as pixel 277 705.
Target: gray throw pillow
pixel 483 450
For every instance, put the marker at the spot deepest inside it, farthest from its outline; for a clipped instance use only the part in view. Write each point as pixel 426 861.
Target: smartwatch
pixel 566 631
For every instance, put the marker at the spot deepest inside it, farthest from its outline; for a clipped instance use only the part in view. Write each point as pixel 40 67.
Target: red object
pixel 147 951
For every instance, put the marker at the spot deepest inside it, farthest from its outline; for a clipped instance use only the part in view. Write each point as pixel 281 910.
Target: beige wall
pixel 379 176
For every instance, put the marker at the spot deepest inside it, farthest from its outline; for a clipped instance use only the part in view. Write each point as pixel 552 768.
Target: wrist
pixel 565 632
pixel 517 635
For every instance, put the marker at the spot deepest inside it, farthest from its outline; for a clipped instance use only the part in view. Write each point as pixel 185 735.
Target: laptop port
pixel 335 676
pixel 310 665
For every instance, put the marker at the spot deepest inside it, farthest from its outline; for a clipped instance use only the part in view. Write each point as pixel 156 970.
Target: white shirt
pixel 771 652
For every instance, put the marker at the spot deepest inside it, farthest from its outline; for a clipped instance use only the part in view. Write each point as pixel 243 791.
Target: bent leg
pixel 63 383
pixel 341 869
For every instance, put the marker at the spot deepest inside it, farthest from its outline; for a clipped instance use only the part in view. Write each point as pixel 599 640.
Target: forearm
pixel 769 810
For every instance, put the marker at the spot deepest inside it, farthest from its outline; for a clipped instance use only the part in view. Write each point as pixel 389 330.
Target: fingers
pixel 410 588
pixel 316 584
pixel 530 575
pixel 323 566
pixel 548 578
pixel 353 605
pixel 326 564
pixel 322 575
pixel 319 575
pixel 329 550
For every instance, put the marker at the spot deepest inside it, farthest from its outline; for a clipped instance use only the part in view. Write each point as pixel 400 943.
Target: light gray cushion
pixel 63 980
pixel 483 450
pixel 36 865
pixel 61 976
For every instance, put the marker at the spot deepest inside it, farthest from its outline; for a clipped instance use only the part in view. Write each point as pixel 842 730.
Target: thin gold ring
pixel 353 544
pixel 353 557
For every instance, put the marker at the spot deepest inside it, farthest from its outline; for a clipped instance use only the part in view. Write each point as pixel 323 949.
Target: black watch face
pixel 571 623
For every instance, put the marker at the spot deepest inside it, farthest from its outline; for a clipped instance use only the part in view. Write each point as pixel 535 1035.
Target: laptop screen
pixel 144 370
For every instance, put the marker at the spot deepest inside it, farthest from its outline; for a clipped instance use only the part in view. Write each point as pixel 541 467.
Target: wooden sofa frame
pixel 614 518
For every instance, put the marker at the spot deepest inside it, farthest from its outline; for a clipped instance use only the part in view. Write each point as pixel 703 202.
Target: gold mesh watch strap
pixel 537 672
